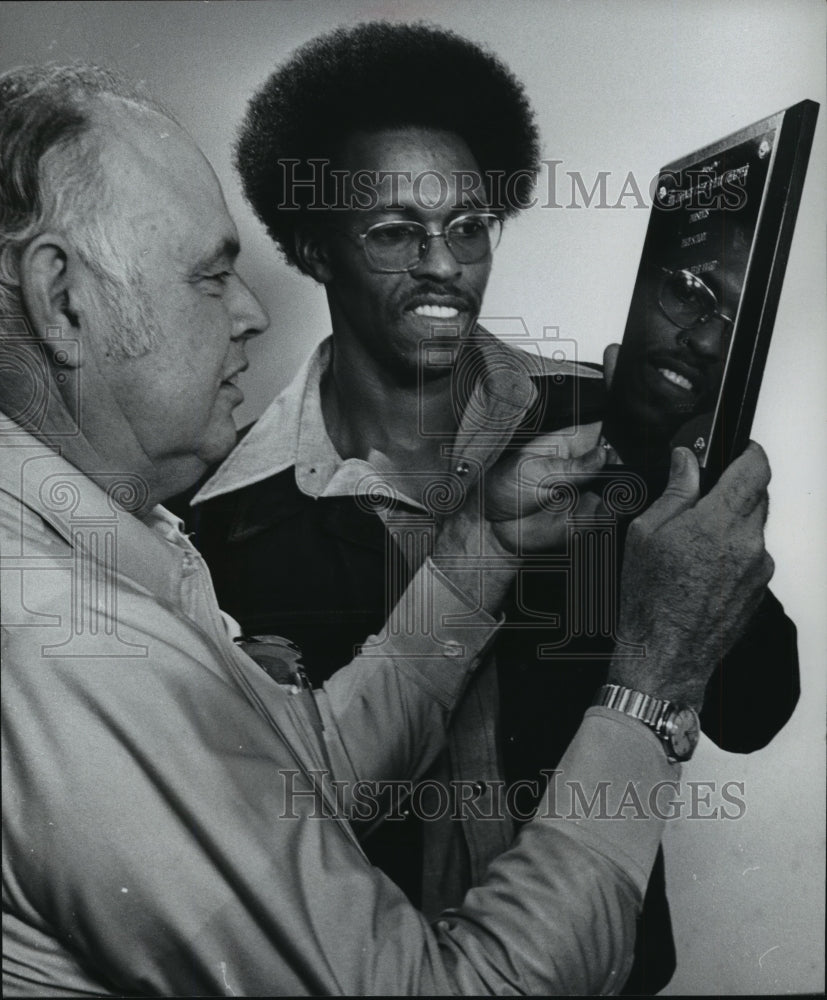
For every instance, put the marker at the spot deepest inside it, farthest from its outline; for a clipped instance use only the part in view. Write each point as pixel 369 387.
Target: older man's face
pixel 385 318
pixel 176 400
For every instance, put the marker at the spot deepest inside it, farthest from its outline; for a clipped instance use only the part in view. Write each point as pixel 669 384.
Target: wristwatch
pixel 676 726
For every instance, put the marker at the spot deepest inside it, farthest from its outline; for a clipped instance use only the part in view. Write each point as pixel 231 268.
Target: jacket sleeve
pixel 153 831
pixel 406 681
pixel 754 690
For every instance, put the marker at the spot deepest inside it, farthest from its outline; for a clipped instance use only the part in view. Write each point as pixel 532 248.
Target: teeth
pixel 675 379
pixel 437 312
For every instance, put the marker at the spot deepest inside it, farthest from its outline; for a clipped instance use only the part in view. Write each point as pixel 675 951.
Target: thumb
pixel 681 493
pixel 610 363
pixel 589 463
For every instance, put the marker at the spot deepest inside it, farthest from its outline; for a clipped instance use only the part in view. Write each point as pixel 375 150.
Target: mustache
pixel 441 294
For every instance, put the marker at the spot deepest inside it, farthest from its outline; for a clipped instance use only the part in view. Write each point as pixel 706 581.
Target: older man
pixel 383 160
pixel 175 819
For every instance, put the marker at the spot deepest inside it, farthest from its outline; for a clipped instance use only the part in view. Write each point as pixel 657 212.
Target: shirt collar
pixel 292 432
pixel 272 444
pixel 150 553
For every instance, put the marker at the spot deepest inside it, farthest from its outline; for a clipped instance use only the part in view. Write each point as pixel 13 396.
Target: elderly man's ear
pixel 312 253
pixel 51 284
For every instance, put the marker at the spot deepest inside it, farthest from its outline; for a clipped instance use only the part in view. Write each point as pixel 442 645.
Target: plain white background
pixel 618 88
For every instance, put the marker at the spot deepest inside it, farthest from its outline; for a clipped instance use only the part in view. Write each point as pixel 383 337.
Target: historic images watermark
pixel 315 185
pixel 315 795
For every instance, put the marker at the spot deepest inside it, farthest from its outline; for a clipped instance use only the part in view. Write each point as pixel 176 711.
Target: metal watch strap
pixel 676 726
pixel 650 711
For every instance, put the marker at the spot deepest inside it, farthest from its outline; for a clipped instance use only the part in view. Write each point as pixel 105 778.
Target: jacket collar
pixel 291 432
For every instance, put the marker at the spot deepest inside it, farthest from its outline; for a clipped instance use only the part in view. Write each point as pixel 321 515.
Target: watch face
pixel 683 732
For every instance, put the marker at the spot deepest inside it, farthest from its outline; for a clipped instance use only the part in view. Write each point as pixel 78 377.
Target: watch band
pixel 676 727
pixel 651 711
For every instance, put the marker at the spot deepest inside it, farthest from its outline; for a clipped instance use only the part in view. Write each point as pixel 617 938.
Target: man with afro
pixel 383 160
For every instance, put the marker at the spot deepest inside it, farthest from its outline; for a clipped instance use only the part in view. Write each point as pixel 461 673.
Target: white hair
pixel 51 177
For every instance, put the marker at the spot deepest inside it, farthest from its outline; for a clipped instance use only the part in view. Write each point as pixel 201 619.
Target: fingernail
pixel 678 462
pixel 598 457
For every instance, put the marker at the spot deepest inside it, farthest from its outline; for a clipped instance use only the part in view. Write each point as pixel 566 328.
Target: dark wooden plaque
pixel 706 295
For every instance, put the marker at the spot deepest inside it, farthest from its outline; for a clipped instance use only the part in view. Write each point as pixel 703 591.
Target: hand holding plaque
pixel 705 297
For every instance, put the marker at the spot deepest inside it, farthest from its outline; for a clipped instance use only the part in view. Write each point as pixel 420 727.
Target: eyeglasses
pixel 687 301
pixel 393 247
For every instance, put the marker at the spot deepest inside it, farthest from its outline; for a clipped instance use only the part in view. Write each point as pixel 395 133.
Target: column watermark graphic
pixel 42 399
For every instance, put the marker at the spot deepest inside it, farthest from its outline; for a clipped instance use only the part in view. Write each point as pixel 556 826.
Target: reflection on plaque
pixel 705 297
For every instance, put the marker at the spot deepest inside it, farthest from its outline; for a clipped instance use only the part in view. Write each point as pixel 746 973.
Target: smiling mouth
pixel 436 312
pixel 676 379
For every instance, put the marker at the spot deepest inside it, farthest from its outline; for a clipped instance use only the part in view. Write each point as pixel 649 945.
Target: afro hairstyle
pixel 372 76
